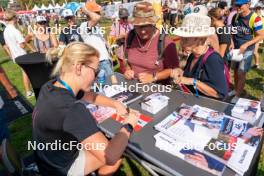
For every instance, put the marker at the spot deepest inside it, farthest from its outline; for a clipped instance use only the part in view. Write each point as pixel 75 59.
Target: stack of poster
pixel 208 139
pixel 246 109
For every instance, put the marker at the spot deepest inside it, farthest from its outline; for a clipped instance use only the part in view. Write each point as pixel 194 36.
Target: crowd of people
pixel 145 53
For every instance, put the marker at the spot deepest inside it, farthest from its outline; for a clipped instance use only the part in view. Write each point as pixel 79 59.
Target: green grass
pixel 21 129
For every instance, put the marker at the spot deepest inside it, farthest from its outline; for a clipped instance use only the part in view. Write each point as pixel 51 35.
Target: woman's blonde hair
pixel 75 52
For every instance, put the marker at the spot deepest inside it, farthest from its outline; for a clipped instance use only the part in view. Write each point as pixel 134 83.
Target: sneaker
pixel 29 94
pixel 234 100
pixel 231 93
pixel 256 66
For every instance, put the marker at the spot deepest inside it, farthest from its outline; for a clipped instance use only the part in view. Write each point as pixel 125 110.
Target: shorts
pixel 78 166
pixel 3 127
pixel 245 64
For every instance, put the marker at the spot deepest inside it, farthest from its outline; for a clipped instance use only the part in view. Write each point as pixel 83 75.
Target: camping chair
pixel 13 164
pixel 37 69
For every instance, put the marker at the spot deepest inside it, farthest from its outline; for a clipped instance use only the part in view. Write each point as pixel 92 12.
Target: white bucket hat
pixel 40 19
pixel 196 24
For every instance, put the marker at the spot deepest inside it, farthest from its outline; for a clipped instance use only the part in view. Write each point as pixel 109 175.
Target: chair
pixel 37 69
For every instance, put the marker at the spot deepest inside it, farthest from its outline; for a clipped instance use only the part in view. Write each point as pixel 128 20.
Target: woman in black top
pixel 204 71
pixel 59 118
pixel 222 31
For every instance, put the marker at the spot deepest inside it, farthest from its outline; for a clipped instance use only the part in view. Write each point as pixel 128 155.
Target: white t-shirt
pixel 173 7
pixel 13 39
pixel 95 39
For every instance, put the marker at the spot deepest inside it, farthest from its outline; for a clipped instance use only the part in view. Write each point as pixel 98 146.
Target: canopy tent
pixel 57 6
pixel 50 7
pixel 43 7
pixel 36 8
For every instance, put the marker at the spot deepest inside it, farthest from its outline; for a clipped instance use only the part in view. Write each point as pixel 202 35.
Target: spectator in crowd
pixel 119 30
pixel 3 78
pixel 233 12
pixel 69 121
pixel 143 42
pixel 92 35
pixel 224 10
pixel 223 34
pixel 249 32
pixel 70 33
pixel 16 44
pixel 256 54
pixel 42 38
pixel 188 8
pixel 173 8
pixel 204 70
pixel 165 11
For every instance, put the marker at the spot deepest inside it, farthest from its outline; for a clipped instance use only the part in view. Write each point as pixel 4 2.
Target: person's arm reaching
pixel 93 17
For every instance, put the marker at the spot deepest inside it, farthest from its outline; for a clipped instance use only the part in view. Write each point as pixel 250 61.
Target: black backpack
pixel 160 46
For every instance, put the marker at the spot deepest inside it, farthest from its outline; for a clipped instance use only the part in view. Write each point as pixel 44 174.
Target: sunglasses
pixel 96 71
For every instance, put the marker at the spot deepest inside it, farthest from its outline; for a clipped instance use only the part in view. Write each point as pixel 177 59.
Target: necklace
pixel 142 48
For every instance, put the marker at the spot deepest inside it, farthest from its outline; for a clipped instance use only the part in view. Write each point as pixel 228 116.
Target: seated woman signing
pixel 59 118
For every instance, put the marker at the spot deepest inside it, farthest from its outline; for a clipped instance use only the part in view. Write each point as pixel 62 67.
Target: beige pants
pixel 77 168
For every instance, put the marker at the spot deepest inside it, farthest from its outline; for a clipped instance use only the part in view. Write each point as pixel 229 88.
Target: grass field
pixel 21 128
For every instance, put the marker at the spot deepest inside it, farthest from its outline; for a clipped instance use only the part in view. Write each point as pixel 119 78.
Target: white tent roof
pixel 35 8
pixel 57 6
pixel 43 7
pixel 50 7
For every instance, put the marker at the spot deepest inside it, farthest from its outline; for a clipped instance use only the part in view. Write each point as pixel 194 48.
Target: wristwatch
pixel 128 127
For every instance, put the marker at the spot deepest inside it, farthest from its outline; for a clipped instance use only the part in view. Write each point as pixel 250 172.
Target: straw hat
pixel 143 14
pixel 196 24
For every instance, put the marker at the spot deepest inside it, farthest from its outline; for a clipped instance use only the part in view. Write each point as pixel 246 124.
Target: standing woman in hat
pixel 119 30
pixel 143 59
pixel 42 38
pixel 204 70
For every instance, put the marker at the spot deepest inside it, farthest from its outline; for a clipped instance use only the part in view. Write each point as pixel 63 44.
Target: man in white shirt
pixel 93 35
pixel 16 43
pixel 173 6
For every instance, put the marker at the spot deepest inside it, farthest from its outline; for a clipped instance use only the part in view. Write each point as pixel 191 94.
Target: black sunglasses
pixel 96 71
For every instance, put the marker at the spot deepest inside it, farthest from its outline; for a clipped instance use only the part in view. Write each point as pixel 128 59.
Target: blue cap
pixel 241 2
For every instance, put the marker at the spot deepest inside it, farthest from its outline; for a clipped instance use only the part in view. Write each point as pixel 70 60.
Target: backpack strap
pixel 204 59
pixel 161 47
pixel 131 35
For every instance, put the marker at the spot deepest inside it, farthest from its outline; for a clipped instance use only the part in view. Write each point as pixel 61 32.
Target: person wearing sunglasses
pixel 42 38
pixel 144 62
pixel 70 33
pixel 250 31
pixel 119 30
pixel 60 117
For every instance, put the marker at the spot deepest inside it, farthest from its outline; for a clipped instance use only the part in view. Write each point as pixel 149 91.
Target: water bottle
pixel 101 79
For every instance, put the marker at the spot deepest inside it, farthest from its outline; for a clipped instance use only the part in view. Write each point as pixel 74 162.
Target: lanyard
pixel 66 86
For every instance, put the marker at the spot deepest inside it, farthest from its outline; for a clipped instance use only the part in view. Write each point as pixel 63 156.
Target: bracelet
pixel 195 87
